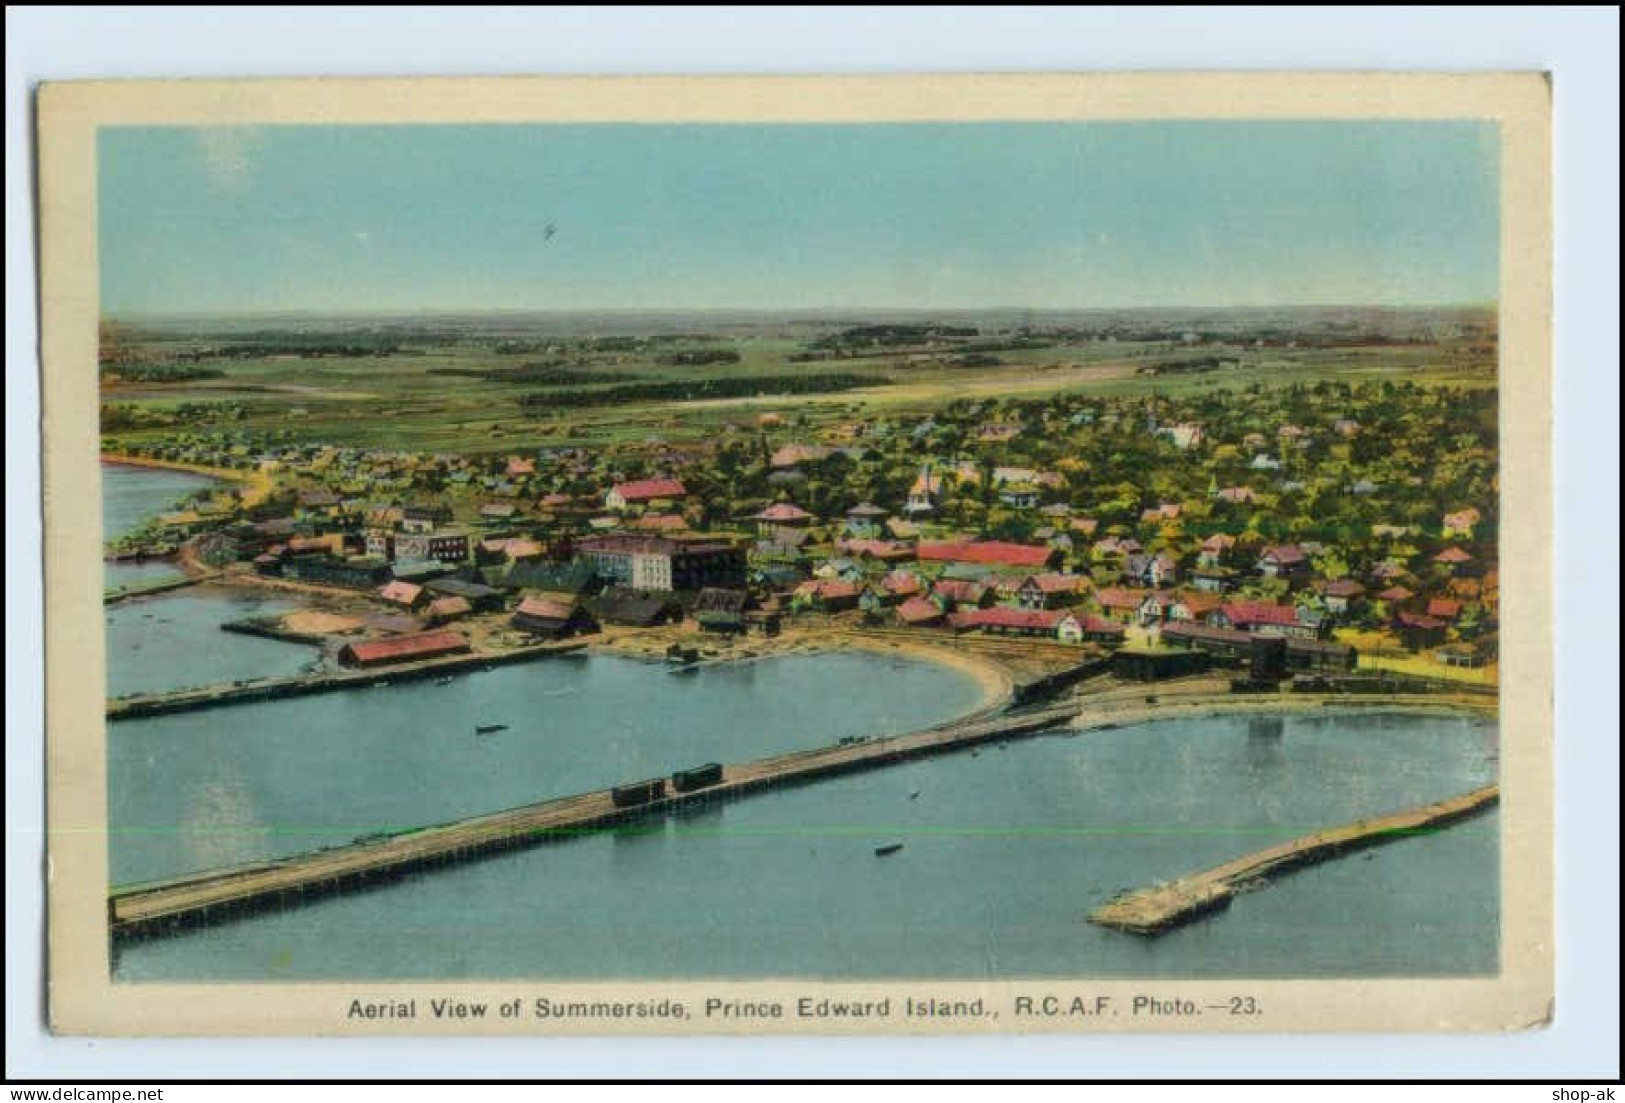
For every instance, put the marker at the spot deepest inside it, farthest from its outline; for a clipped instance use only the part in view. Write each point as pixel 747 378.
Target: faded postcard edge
pixel 82 999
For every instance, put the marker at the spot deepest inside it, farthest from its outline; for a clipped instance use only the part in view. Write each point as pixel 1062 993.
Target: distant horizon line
pixel 806 311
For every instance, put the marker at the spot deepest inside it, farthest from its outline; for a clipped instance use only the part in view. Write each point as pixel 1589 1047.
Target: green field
pixel 463 391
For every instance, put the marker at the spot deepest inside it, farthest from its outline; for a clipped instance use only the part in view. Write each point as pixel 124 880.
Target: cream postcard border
pixel 82 998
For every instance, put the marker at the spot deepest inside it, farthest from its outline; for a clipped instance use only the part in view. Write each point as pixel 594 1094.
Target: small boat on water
pixel 446 681
pixel 487 729
pixel 889 848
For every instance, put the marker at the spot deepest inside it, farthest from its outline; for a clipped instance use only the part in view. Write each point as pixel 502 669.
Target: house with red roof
pixel 920 612
pixel 1444 609
pixel 1194 606
pixel 405 595
pixel 1262 618
pixel 1003 620
pixel 1418 630
pixel 1340 594
pixel 642 492
pixel 962 593
pixel 1049 590
pixel 1452 559
pixel 992 553
pixel 831 595
pixel 553 617
pixel 1283 561
pixel 1119 604
pixel 901 585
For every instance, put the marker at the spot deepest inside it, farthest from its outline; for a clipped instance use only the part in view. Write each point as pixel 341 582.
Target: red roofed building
pixel 402 649
pixel 1008 621
pixel 1452 558
pixel 1194 606
pixel 901 584
pixel 405 594
pixel 962 593
pixel 1120 605
pixel 1048 591
pixel 919 612
pixel 642 492
pixel 1419 630
pixel 1101 630
pixel 1283 561
pixel 830 596
pixel 1262 618
pixel 995 553
pixel 1444 608
pixel 552 618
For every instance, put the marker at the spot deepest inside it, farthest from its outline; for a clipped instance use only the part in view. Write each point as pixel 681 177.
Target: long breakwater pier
pixel 1161 908
pixel 154 908
pixel 300 685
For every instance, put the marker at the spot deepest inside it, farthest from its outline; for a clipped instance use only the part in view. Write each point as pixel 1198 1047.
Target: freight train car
pixel 700 777
pixel 639 792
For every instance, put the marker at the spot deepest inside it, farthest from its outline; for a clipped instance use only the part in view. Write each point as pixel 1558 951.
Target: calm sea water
pixel 1005 852
pixel 174 641
pixel 1006 849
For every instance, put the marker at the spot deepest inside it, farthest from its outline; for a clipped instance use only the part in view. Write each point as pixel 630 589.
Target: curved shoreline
pixel 994 683
pixel 118 459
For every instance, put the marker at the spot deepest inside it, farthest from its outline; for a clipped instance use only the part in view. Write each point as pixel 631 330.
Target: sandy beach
pixel 995 681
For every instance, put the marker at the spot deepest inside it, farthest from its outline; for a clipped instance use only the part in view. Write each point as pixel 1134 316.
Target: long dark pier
pixel 300 685
pixel 157 907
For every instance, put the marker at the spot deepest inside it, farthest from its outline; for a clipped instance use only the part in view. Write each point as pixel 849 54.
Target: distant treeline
pixel 1181 367
pixel 597 344
pixel 548 374
pixel 817 352
pixel 897 334
pixel 695 357
pixel 349 343
pixel 689 390
pixel 160 373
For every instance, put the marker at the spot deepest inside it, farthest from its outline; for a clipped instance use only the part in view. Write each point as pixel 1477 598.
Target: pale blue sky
pixel 913 216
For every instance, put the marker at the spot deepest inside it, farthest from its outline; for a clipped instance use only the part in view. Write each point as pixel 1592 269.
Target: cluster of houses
pixel 1000 529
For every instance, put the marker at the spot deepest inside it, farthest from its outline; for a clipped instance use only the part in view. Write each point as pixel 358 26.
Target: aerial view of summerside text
pixel 960 551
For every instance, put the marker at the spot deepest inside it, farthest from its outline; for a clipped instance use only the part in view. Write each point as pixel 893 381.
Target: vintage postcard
pixel 1059 553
